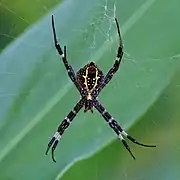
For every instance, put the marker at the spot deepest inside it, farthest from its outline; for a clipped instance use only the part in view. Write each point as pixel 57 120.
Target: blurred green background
pixel 36 94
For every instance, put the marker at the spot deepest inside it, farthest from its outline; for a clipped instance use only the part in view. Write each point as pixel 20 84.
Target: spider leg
pixel 64 125
pixel 116 65
pixel 117 128
pixel 68 67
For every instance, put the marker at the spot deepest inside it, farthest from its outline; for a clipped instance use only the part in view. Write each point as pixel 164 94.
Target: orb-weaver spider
pixel 89 81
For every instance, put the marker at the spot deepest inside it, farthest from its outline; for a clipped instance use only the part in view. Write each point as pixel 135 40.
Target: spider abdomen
pixel 89 77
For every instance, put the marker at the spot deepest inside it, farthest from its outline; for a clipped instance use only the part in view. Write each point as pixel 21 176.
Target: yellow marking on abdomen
pixel 86 83
pixel 89 97
pixel 85 79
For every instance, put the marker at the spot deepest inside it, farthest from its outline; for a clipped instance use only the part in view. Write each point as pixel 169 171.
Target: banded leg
pixel 116 65
pixel 64 125
pixel 68 67
pixel 117 128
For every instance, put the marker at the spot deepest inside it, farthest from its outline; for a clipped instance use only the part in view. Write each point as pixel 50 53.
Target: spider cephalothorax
pixel 89 81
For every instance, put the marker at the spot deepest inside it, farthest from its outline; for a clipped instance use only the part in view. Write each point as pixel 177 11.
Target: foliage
pixel 36 93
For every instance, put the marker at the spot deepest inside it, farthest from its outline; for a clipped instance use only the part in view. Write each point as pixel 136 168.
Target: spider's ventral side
pixel 90 81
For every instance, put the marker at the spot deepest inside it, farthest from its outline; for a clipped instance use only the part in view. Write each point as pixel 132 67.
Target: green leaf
pixel 160 125
pixel 18 15
pixel 37 94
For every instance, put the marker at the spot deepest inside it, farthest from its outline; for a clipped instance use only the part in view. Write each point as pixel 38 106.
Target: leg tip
pixel 46 153
pixel 53 159
pixel 134 157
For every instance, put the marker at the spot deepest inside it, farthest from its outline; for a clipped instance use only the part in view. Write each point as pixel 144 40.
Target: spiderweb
pixel 18 20
pixel 11 31
pixel 102 27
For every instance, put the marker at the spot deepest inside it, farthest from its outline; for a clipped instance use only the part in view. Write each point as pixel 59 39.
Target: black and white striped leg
pixel 64 125
pixel 116 65
pixel 119 56
pixel 69 68
pixel 117 128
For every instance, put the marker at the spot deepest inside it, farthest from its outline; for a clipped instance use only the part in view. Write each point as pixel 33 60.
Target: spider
pixel 90 81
